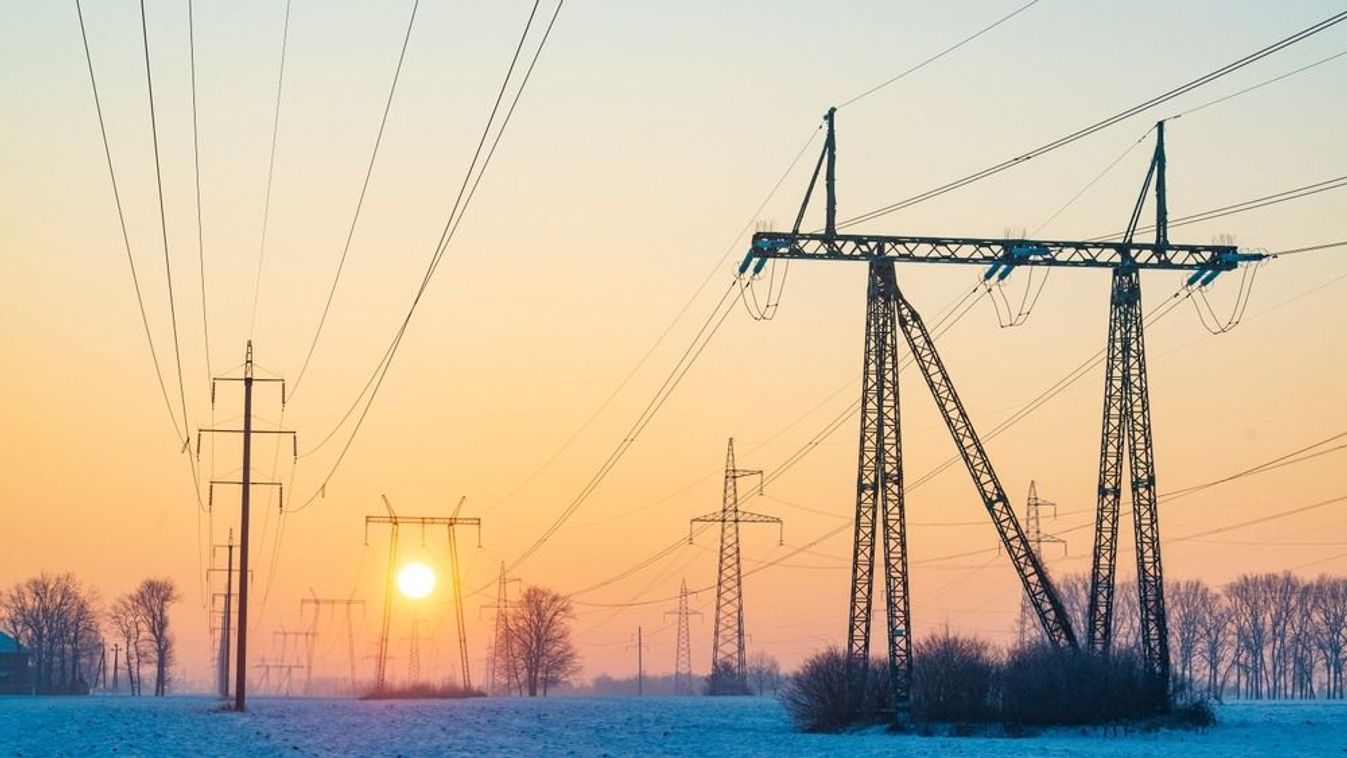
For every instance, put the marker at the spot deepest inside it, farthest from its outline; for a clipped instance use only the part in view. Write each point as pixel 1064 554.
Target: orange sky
pixel 640 149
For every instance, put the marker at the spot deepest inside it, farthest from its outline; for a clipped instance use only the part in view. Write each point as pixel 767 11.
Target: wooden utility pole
pixel 245 484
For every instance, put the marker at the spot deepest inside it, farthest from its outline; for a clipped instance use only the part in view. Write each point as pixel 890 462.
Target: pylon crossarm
pixel 1000 255
pixel 1043 595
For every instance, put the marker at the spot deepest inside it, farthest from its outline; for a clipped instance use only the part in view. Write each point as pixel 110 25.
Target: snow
pixel 189 725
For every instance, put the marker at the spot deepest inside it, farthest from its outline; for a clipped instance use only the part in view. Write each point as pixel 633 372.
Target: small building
pixel 15 669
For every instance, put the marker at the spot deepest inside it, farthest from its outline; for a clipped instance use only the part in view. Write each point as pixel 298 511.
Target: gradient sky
pixel 645 140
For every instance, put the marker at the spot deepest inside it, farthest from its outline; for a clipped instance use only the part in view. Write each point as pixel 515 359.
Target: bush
pixel 422 691
pixel 724 680
pixel 952 679
pixel 1043 686
pixel 963 682
pixel 818 699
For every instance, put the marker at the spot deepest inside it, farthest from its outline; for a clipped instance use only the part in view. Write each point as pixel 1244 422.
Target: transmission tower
pixel 347 604
pixel 683 651
pixel 414 653
pixel 640 661
pixel 729 660
pixel 501 667
pixel 395 522
pixel 245 484
pixel 879 485
pixel 222 652
pixel 1033 529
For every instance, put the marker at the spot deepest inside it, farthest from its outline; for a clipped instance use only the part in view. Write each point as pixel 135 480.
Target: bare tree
pixel 125 620
pixel 1248 598
pixel 1186 606
pixel 540 635
pixel 56 619
pixel 152 600
pixel 1330 614
pixel 764 673
pixel 1212 614
pixel 1075 591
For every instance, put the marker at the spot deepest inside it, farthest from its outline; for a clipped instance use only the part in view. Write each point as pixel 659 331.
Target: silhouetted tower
pixel 1033 530
pixel 879 484
pixel 222 654
pixel 501 666
pixel 347 604
pixel 683 651
pixel 395 522
pixel 729 660
pixel 414 653
pixel 245 484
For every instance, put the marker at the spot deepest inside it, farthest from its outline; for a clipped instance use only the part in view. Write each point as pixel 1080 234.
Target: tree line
pixel 1261 636
pixel 62 625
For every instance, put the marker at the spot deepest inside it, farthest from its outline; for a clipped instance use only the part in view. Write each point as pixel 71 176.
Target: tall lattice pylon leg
pixel 1150 576
pixel 879 498
pixel 1104 562
pixel 1034 578
pixel 1127 421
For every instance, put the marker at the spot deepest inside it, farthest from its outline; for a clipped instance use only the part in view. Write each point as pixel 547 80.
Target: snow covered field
pixel 587 727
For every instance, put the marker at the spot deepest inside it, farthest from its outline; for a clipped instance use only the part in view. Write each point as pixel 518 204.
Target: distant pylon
pixel 683 652
pixel 414 654
pixel 1033 531
pixel 501 665
pixel 729 659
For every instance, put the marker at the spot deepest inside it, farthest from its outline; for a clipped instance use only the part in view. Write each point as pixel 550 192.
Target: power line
pixel 1310 249
pixel 163 222
pixel 1158 313
pixel 1102 124
pixel 941 54
pixel 1259 85
pixel 1262 519
pixel 671 382
pixel 701 287
pixel 720 262
pixel 271 169
pixel 1281 461
pixel 360 202
pixel 1297 193
pixel 121 219
pixel 381 370
pixel 196 174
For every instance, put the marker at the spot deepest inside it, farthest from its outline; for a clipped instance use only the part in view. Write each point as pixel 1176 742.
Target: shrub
pixel 1039 685
pixel 422 691
pixel 952 679
pixel 818 698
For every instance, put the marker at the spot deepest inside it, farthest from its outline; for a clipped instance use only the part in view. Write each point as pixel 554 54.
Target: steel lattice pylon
pixel 683 649
pixel 729 659
pixel 1127 424
pixel 879 494
pixel 502 663
pixel 1126 411
pixel 1033 528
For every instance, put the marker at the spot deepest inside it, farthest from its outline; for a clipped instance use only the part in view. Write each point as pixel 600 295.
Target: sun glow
pixel 416 580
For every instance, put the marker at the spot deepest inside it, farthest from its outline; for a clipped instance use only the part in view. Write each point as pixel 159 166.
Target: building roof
pixel 8 644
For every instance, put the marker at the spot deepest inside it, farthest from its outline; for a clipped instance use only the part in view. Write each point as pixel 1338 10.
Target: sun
pixel 416 580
